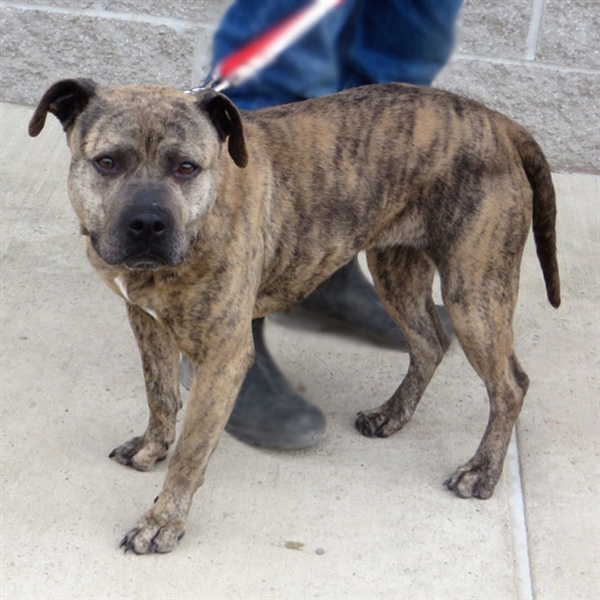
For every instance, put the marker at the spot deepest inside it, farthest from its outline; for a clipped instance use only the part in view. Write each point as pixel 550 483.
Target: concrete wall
pixel 112 41
pixel 535 60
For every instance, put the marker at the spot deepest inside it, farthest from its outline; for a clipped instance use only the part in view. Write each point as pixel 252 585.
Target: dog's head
pixel 145 164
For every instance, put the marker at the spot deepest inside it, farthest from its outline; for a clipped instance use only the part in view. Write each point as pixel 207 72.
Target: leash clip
pixel 210 83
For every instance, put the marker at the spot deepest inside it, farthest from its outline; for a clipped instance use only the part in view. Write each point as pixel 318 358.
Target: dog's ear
pixel 228 123
pixel 66 99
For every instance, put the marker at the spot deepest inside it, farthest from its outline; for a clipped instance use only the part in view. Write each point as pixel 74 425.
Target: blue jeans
pixel 359 42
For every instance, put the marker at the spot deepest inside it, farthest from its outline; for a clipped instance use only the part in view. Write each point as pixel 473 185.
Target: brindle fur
pixel 421 179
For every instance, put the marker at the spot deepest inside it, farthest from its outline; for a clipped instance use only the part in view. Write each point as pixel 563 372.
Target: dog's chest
pixel 154 298
pixel 143 297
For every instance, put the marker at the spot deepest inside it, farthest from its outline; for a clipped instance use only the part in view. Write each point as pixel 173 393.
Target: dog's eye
pixel 105 164
pixel 187 170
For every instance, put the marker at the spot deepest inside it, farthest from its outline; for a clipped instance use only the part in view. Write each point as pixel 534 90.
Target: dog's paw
pixel 155 532
pixel 140 453
pixel 472 481
pixel 376 424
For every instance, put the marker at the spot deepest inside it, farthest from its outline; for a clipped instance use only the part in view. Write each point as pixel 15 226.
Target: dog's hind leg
pixel 480 303
pixel 403 279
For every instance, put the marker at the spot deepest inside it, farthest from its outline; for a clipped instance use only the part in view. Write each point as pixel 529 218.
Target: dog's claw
pixel 139 453
pixel 452 484
pixel 154 534
pixel 471 482
pixel 373 425
pixel 364 424
pixel 127 541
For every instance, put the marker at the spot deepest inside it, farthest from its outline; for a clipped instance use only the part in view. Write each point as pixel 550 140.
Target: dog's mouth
pixel 162 254
pixel 145 262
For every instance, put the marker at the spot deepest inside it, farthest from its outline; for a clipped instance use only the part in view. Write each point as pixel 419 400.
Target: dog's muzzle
pixel 148 237
pixel 143 235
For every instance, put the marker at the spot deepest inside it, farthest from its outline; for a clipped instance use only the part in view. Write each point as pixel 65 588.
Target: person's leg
pixel 407 41
pixel 307 69
pixel 268 411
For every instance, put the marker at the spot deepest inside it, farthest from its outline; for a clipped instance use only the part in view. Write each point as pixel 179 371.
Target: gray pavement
pixel 351 518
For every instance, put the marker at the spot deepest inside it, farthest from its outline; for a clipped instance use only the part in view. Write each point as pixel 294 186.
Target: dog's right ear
pixel 66 99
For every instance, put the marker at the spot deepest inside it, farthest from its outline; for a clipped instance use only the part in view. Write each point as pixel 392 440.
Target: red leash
pixel 254 56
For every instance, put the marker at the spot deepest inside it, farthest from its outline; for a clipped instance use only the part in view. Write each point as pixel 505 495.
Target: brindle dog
pixel 199 239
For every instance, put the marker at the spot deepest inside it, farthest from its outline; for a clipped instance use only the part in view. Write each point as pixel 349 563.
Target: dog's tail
pixel 544 210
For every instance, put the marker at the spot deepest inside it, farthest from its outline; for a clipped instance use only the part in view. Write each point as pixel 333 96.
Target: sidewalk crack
pixel 518 520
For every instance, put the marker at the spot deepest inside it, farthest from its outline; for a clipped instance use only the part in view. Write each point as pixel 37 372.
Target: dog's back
pixel 393 164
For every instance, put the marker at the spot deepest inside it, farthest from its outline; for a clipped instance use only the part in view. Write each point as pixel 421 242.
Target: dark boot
pixel 347 300
pixel 268 412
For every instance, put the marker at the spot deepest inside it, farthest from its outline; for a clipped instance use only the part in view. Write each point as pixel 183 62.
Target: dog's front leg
pixel 160 359
pixel 217 380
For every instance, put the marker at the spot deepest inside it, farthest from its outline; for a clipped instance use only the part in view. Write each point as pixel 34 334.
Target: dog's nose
pixel 147 226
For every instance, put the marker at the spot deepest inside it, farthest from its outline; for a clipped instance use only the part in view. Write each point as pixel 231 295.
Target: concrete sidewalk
pixel 351 518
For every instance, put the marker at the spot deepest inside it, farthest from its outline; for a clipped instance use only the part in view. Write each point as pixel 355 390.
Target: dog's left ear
pixel 66 99
pixel 228 123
